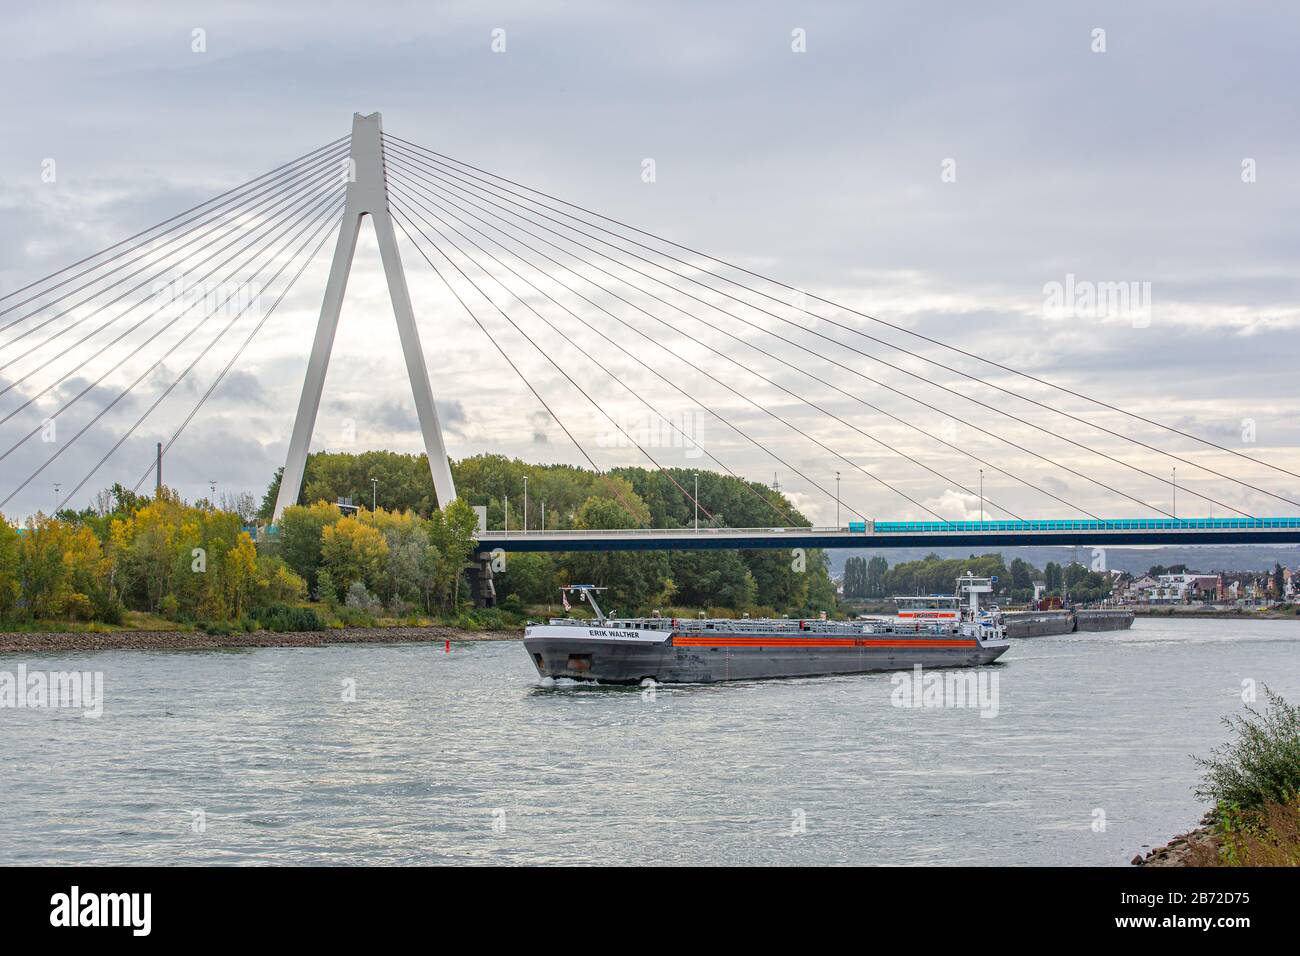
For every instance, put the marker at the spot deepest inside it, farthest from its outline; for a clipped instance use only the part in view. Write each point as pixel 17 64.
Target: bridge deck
pixel 911 534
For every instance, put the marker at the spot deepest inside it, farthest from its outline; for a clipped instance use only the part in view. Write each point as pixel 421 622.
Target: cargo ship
pixel 1043 621
pixel 614 650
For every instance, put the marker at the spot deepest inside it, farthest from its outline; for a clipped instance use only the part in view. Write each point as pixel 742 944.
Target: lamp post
pixel 837 499
pixel 505 506
pixel 697 501
pixel 1175 492
pixel 374 499
pixel 543 514
pixel 525 504
pixel 981 496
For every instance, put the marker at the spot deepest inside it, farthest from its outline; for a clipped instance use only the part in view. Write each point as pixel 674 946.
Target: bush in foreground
pixel 1261 766
pixel 287 617
pixel 1254 782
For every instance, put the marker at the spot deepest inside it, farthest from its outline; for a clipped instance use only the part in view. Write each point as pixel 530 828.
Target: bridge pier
pixel 482 589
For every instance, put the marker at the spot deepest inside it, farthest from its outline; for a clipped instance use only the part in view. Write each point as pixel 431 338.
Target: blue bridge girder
pixel 913 534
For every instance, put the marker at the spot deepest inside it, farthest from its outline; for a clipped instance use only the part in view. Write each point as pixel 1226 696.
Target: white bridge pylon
pixel 367 194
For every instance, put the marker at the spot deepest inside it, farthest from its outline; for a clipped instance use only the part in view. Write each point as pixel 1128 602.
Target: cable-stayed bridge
pixel 754 355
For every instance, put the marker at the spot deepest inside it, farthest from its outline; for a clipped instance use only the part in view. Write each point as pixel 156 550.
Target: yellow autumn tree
pixel 352 550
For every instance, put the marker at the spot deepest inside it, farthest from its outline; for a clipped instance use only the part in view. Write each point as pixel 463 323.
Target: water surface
pixel 464 757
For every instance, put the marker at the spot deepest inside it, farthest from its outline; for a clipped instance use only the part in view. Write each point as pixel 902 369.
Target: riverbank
pixel 1197 847
pixel 1282 613
pixel 54 642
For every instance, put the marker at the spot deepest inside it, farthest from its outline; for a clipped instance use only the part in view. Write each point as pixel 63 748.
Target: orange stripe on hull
pixel 680 641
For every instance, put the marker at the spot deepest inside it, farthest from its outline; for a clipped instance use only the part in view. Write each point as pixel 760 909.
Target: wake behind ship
pixel 681 650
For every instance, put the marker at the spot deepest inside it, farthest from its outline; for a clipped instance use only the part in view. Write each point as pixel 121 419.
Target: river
pixel 369 754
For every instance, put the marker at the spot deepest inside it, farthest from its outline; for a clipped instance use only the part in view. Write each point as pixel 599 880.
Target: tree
pixel 301 529
pixel 877 569
pixel 10 583
pixel 712 579
pixel 353 551
pixel 451 542
pixel 529 575
pixel 855 577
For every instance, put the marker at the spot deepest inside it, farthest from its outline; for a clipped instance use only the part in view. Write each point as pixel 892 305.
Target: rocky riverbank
pixel 1195 848
pixel 37 642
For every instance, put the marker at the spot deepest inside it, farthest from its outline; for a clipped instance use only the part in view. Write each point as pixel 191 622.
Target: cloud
pixel 821 169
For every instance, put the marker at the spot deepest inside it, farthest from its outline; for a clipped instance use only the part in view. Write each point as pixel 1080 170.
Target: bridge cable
pixel 866 355
pixel 613 486
pixel 311 256
pixel 769 412
pixel 406 212
pixel 819 355
pixel 271 234
pixel 230 192
pixel 780 512
pixel 775 358
pixel 68 444
pixel 285 214
pixel 235 358
pixel 744 368
pixel 852 311
pixel 848 461
pixel 586 325
pixel 276 193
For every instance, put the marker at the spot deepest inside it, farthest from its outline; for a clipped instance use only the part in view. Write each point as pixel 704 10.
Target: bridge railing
pixel 925 527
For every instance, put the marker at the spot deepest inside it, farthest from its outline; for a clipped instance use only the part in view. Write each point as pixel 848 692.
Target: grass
pixel 1269 836
pixel 131 621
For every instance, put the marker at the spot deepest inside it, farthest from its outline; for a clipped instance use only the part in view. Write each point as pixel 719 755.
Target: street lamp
pixel 543 514
pixel 837 499
pixel 1175 492
pixel 697 501
pixel 981 496
pixel 374 496
pixel 525 504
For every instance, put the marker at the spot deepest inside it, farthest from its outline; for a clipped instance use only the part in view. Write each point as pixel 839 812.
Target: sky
pixel 951 169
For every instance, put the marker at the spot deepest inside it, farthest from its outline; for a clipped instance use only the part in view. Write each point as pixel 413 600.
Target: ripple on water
pixel 468 757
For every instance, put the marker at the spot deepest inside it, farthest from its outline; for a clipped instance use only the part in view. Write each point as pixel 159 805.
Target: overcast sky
pixel 938 166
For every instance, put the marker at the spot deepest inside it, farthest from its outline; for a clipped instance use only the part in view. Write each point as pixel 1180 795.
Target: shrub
pixel 326 591
pixel 108 607
pixel 169 607
pixel 353 617
pixel 399 608
pixel 1261 765
pixel 287 617
pixel 78 607
pixel 1268 837
pixel 216 628
pixel 359 599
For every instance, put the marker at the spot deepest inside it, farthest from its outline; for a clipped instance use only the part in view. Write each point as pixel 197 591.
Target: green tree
pixel 301 529
pixel 10 582
pixel 877 569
